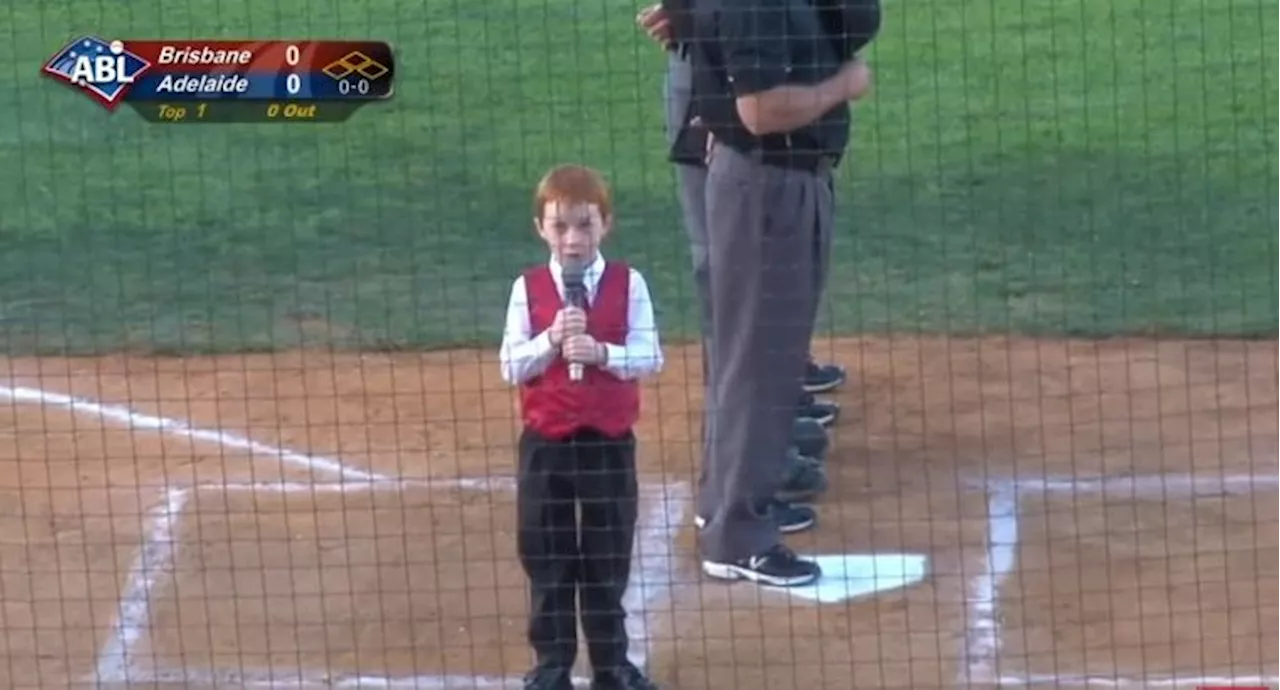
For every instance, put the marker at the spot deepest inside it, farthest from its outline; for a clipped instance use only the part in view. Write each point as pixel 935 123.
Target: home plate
pixel 846 576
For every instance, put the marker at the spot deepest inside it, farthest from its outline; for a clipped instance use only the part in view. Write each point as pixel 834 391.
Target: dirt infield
pixel 1086 510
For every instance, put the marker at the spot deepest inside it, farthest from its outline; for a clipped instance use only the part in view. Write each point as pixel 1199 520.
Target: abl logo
pixel 104 70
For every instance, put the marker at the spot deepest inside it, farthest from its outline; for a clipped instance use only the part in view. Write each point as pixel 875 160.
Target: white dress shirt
pixel 525 354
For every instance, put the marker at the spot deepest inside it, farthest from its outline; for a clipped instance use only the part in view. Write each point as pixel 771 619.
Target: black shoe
pixel 791 517
pixel 778 566
pixel 809 438
pixel 804 478
pixel 820 378
pixel 625 677
pixel 547 679
pixel 823 412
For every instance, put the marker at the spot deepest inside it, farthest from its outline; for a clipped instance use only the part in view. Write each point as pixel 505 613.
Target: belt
pixel 808 161
pixel 817 162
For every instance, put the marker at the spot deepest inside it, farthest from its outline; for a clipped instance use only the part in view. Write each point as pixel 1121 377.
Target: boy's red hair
pixel 572 184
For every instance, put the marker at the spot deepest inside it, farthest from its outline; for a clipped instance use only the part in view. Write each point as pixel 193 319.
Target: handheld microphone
pixel 575 295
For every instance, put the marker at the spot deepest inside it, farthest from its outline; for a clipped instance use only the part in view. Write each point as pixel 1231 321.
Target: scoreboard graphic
pixel 207 81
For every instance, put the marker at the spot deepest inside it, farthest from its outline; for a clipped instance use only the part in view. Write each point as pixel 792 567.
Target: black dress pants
pixel 571 562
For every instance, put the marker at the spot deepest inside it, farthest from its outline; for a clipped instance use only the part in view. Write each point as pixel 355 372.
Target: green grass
pixel 1087 167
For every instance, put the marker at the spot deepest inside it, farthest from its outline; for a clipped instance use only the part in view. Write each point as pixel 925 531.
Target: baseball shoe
pixel 820 378
pixel 625 677
pixel 808 437
pixel 823 412
pixel 803 479
pixel 791 517
pixel 778 566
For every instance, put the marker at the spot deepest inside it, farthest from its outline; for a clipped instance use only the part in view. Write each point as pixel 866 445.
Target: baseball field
pixel 253 432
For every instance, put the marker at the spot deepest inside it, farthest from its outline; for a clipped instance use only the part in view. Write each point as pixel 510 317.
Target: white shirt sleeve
pixel 642 354
pixel 523 355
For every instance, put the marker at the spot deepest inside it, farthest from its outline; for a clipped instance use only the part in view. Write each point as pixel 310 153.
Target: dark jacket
pixel 680 16
pixel 851 24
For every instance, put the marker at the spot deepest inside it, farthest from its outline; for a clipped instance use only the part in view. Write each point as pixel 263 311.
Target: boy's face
pixel 572 230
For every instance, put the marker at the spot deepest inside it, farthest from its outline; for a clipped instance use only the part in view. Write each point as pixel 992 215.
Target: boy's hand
pixel 569 322
pixel 583 349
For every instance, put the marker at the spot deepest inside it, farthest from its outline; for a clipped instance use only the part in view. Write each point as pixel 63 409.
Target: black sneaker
pixel 778 566
pixel 791 517
pixel 820 378
pixel 547 679
pixel 823 412
pixel 625 677
pixel 808 437
pixel 804 478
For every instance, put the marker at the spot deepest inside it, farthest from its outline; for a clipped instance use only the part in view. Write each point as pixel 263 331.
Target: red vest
pixel 555 406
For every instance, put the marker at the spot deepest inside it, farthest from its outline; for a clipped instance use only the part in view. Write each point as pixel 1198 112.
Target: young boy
pixel 577 448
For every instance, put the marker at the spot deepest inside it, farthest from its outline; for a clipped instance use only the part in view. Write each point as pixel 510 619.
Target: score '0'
pixel 292 83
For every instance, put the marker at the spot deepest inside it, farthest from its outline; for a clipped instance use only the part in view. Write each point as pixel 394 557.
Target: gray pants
pixel 769 238
pixel 760 239
pixel 693 182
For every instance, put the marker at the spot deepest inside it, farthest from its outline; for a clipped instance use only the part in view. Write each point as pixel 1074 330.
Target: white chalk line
pixel 181 429
pixel 478 484
pixel 1140 485
pixel 984 632
pixel 983 635
pixel 1158 682
pixel 282 680
pixel 651 580
pixel 154 560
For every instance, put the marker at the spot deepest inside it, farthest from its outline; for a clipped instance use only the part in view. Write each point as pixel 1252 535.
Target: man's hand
pixel 583 349
pixel 569 322
pixel 711 139
pixel 792 106
pixel 653 20
pixel 855 78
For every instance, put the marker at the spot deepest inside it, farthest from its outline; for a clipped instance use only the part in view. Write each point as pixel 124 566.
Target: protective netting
pixel 253 430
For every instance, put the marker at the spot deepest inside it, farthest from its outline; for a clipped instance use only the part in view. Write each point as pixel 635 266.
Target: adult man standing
pixel 665 22
pixel 773 93
pixel 670 24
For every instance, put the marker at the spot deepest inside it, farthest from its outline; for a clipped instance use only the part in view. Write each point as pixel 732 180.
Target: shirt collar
pixel 591 274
